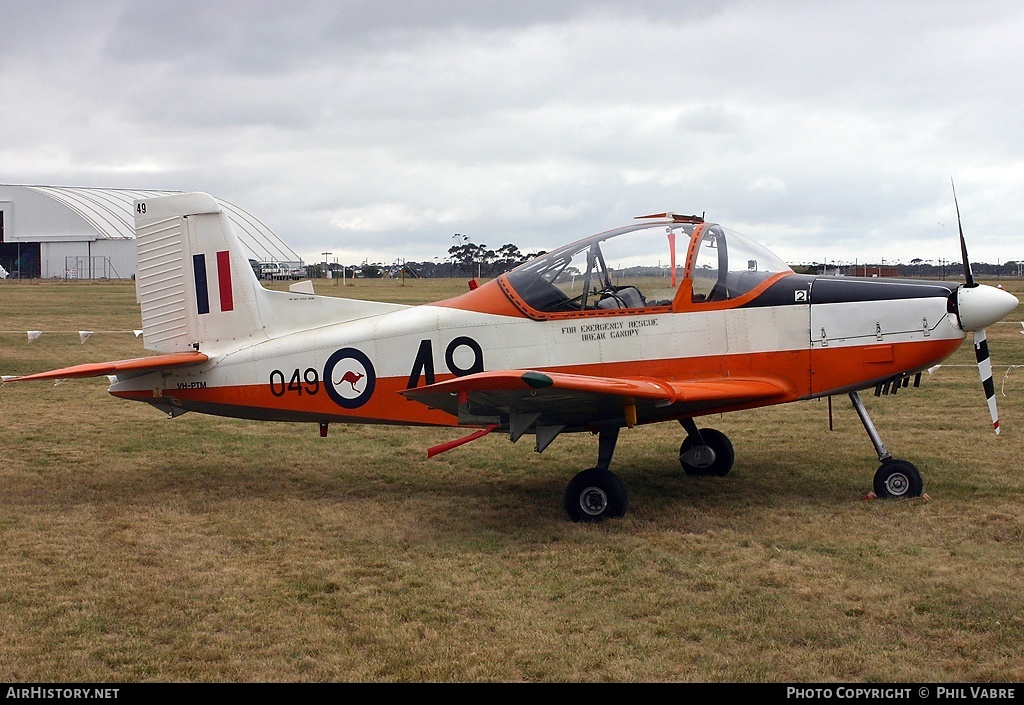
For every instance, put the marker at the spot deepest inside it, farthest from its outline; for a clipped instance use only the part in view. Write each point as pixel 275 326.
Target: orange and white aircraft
pixel 575 340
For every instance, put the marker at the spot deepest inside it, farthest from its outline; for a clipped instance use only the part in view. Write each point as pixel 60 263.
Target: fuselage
pixel 819 335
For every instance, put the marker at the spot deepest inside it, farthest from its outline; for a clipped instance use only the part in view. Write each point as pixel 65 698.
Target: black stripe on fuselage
pixel 833 290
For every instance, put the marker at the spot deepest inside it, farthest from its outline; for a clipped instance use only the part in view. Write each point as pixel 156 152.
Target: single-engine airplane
pixel 577 339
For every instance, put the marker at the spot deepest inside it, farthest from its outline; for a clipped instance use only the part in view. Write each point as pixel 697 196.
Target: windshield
pixel 633 267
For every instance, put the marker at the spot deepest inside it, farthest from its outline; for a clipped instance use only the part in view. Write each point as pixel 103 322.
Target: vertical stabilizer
pixel 194 282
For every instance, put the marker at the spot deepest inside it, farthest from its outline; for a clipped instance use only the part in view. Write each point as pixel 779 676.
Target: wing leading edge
pixel 579 401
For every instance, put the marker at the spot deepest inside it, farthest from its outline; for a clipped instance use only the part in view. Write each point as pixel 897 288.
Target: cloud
pixel 808 126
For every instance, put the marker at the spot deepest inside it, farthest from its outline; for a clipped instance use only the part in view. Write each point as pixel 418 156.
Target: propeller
pixel 977 306
pixel 985 371
pixel 968 274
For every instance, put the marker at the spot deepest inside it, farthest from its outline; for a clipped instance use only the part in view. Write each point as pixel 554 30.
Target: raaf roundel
pixel 668 319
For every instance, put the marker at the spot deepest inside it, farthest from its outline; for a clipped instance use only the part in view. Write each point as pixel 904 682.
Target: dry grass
pixel 134 548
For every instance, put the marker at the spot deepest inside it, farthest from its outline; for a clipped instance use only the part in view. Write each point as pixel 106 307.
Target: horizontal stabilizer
pixel 101 369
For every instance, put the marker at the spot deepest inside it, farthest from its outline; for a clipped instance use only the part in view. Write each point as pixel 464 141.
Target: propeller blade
pixel 985 371
pixel 968 274
pixel 984 307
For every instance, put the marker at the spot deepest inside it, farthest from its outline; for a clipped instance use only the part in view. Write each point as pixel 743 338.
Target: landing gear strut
pixel 705 451
pixel 895 478
pixel 598 493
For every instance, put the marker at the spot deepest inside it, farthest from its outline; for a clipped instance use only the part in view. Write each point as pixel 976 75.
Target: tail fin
pixel 193 280
pixel 197 289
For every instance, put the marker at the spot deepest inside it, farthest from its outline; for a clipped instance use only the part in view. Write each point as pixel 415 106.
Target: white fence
pixel 90 268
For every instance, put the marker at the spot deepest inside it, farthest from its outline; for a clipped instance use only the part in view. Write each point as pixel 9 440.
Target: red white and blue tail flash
pixel 224 291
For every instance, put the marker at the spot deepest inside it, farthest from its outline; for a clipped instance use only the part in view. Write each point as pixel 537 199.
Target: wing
pixel 137 365
pixel 580 401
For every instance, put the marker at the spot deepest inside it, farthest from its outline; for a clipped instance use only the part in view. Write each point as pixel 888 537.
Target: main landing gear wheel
pixel 594 495
pixel 898 479
pixel 709 452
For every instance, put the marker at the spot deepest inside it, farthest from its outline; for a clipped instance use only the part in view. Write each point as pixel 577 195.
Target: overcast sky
pixel 379 129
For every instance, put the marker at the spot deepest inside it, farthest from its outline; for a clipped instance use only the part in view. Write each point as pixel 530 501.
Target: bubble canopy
pixel 641 266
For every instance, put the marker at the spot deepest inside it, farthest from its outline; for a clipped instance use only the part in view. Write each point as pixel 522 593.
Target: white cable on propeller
pixel 1002 388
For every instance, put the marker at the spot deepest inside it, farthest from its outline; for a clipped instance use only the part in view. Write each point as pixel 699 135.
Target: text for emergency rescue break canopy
pixel 607 330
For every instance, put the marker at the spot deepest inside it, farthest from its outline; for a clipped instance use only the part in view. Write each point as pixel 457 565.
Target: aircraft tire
pixel 725 456
pixel 595 495
pixel 898 479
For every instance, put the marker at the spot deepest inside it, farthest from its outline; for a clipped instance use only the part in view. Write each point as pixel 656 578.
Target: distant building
pixel 89 233
pixel 872 270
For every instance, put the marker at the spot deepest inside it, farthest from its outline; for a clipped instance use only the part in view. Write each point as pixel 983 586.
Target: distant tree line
pixel 474 259
pixel 916 268
pixel 467 259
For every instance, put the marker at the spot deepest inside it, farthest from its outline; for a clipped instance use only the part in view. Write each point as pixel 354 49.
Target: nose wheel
pixel 895 479
pixel 898 479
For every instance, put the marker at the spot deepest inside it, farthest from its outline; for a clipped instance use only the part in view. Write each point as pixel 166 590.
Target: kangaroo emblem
pixel 352 377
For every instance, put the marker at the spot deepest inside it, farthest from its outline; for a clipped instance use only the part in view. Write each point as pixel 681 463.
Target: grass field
pixel 138 548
